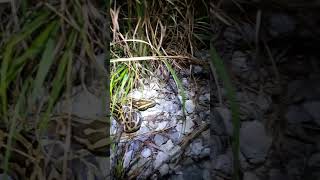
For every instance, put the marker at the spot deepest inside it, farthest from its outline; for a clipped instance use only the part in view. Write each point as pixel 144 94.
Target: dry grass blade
pixel 71 23
pixel 145 58
pixel 220 15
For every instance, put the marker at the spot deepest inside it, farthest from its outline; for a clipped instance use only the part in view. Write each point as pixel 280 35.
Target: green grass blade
pixel 124 80
pixel 7 56
pixel 221 71
pixel 28 28
pixel 13 124
pixel 181 90
pixel 44 66
pixel 118 71
pixel 24 6
pixel 36 46
pixel 59 80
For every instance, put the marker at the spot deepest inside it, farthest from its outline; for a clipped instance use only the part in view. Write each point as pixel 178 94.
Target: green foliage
pixel 39 56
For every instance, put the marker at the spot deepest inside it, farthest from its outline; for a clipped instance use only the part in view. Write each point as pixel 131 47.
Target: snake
pixel 129 115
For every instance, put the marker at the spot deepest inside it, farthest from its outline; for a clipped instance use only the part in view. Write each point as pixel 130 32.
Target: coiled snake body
pixel 129 115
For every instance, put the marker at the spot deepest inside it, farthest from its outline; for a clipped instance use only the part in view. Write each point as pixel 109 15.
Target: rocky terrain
pixel 159 149
pixel 278 93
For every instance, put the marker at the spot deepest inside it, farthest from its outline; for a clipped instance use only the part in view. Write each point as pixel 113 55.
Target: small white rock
pixel 162 125
pixel 164 169
pixel 196 148
pixel 146 152
pixel 158 139
pixel 197 69
pixel 179 127
pixel 189 106
pixel 135 94
pixel 167 146
pixel 151 93
pixel 189 125
pixel 160 158
pixel 154 86
pixel 144 129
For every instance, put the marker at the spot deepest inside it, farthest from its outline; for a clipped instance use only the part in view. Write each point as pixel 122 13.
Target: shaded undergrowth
pixel 41 46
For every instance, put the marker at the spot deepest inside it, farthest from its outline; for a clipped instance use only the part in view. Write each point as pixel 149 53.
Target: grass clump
pixel 41 43
pixel 147 35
